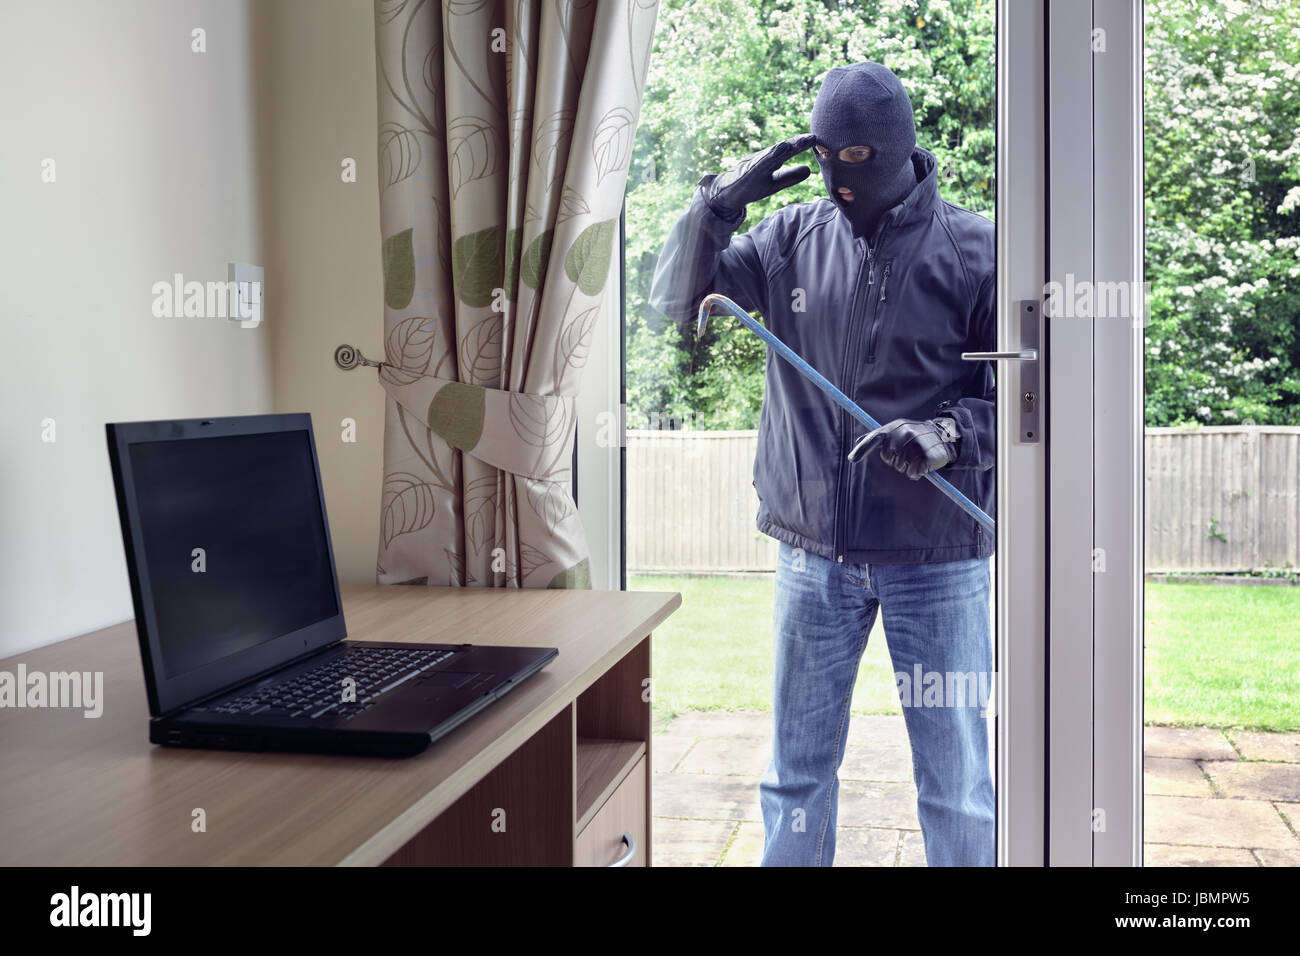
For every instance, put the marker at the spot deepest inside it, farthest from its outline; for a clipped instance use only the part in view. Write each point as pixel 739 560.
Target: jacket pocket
pixel 874 335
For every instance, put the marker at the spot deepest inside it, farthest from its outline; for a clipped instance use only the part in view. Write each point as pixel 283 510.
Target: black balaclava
pixel 865 105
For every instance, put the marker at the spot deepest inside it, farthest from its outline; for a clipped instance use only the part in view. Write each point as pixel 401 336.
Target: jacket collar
pixel 920 202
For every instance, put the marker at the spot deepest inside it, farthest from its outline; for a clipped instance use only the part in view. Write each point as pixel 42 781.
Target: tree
pixel 1222 189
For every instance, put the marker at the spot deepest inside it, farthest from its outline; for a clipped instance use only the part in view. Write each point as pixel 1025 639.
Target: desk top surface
pixel 94 791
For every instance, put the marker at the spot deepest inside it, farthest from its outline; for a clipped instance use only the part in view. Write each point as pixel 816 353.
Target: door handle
pixel 1024 355
pixel 626 858
pixel 1030 398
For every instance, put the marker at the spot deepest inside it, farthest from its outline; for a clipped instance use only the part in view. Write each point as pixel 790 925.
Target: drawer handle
pixel 626 858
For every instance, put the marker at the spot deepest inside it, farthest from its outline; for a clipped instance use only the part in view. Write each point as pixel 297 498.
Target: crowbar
pixel 838 397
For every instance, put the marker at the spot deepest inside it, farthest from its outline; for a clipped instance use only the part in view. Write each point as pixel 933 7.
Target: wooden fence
pixel 1217 499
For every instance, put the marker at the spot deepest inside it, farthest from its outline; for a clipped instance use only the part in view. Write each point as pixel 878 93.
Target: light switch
pixel 248 285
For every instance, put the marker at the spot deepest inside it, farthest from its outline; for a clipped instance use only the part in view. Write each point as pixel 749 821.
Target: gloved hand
pixel 756 177
pixel 915 448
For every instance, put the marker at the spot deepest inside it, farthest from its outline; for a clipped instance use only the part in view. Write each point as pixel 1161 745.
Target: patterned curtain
pixel 505 134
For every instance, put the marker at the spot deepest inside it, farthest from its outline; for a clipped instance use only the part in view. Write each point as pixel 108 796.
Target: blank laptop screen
pixel 234 539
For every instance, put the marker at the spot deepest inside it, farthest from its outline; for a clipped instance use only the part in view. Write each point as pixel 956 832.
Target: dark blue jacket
pixel 886 321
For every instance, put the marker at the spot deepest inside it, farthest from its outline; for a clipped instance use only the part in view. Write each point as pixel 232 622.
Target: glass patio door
pixel 1069 604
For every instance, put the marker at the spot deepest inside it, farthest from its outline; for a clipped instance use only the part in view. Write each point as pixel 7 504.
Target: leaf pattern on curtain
pixel 505 135
pixel 408 348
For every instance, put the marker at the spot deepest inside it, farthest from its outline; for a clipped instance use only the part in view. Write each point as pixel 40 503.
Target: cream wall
pixel 171 161
pixel 155 176
pixel 323 249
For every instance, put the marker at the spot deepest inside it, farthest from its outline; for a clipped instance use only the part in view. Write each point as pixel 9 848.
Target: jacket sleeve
pixel 976 414
pixel 702 256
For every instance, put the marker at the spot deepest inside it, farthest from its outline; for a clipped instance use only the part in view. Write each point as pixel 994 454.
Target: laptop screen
pixel 228 549
pixel 233 541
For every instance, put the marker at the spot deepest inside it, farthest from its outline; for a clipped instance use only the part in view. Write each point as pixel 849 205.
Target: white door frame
pixel 1020 601
pixel 601 438
pixel 1119 433
pixel 1070 460
pixel 1069 601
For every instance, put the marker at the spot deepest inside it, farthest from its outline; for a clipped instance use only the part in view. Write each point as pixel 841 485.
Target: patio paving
pixel 1213 797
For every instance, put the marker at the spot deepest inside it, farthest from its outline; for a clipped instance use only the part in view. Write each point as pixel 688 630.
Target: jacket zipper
pixel 846 422
pixel 875 322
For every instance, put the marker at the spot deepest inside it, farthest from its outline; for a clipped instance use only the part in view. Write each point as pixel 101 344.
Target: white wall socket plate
pixel 248 282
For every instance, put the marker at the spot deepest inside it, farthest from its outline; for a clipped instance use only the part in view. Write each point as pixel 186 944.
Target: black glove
pixel 912 447
pixel 756 177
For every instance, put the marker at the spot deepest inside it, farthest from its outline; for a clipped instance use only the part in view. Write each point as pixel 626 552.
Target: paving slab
pixel 865 846
pixel 1195 743
pixel 1174 776
pixel 747 848
pixel 1279 857
pixel 731 756
pixel 1215 821
pixel 912 849
pixel 1255 780
pixel 884 760
pixel 723 723
pixel 668 748
pixel 878 804
pixel 1255 745
pixel 690 842
pixel 877 730
pixel 1162 854
pixel 706 797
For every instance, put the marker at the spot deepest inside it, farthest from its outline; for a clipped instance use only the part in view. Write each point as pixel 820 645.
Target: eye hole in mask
pixel 849 154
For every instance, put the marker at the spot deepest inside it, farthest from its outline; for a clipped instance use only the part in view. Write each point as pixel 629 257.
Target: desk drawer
pixel 602 842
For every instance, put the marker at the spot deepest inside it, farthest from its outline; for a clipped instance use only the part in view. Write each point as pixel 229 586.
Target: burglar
pixel 880 287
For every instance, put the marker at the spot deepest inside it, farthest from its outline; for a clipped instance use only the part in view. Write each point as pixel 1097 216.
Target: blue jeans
pixel 936 619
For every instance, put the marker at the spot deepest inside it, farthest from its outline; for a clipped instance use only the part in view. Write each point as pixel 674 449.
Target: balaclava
pixel 865 105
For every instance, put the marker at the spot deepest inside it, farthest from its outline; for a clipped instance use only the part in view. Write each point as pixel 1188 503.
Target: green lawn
pixel 1222 655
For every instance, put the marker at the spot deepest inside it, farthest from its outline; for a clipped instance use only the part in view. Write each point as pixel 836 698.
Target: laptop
pixel 237 603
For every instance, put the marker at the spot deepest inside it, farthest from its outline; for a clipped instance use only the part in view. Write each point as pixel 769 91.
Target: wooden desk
pixel 562 762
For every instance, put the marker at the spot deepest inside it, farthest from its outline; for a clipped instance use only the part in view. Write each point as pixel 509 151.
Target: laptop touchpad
pixel 445 679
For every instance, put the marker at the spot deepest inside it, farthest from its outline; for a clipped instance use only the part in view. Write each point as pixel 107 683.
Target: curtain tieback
pixel 519 432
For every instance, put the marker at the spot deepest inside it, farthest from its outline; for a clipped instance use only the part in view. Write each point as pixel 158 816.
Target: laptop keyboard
pixel 319 692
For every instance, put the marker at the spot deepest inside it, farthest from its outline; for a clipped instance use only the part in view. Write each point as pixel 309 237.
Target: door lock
pixel 1030 317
